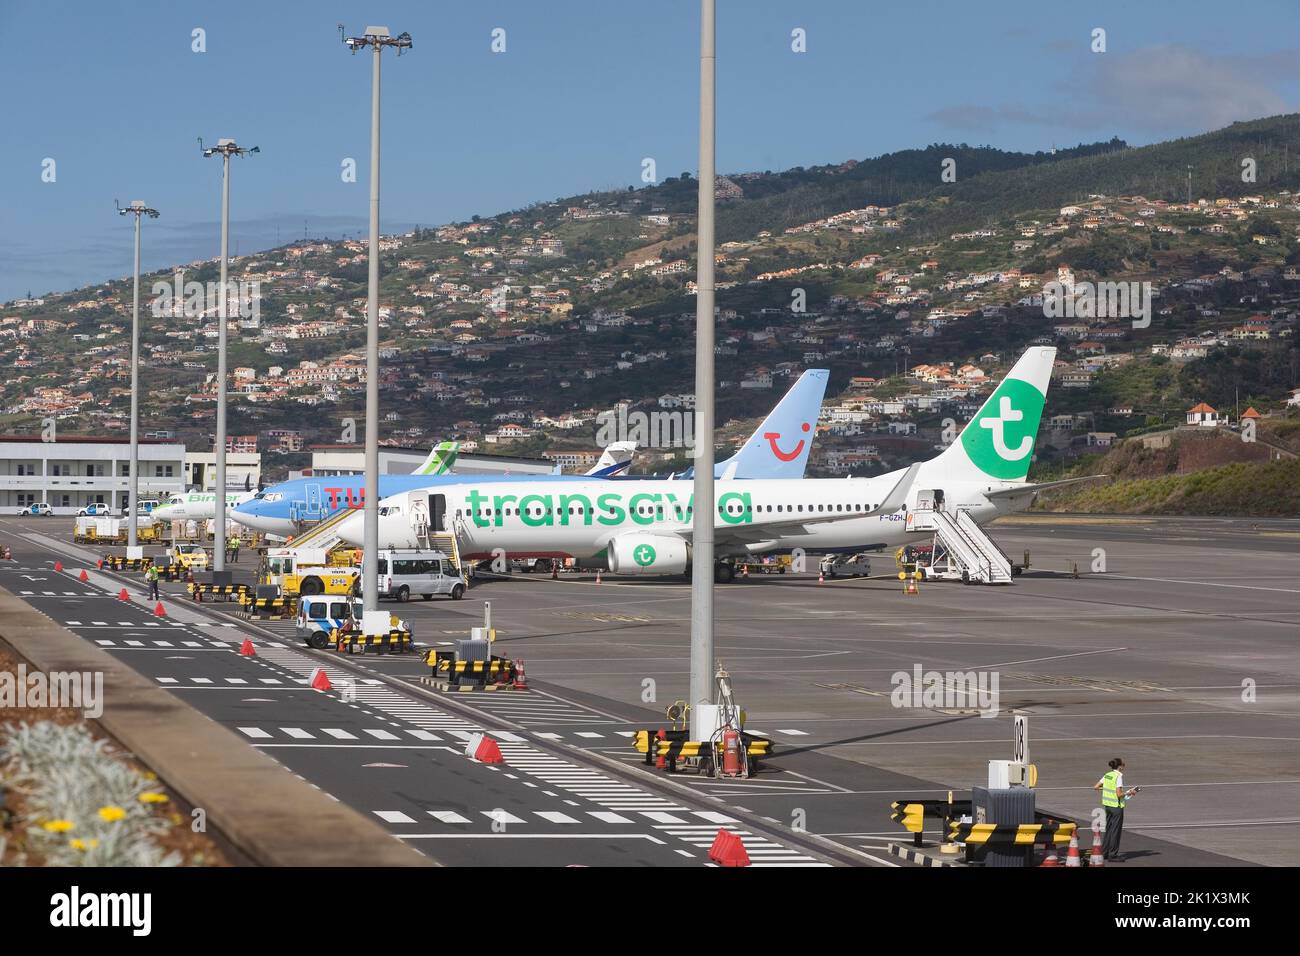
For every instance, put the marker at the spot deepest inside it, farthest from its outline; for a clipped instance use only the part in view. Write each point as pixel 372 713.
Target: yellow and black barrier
pixel 228 591
pixel 115 562
pixel 396 641
pixel 449 674
pixel 268 608
pixel 669 746
pixel 173 572
pixel 1011 834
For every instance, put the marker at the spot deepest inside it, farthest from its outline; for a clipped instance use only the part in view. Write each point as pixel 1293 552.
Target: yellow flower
pixel 109 814
pixel 58 826
pixel 79 844
pixel 152 798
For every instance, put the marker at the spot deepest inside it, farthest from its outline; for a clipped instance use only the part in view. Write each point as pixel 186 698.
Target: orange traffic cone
pixel 661 762
pixel 100 564
pixel 1097 857
pixel 728 849
pixel 521 679
pixel 910 587
pixel 158 610
pixel 123 595
pixel 1072 857
pixel 246 649
pixel 58 565
pixel 598 575
pixel 83 577
pixel 1051 859
pixel 319 681
pixel 744 570
pixel 821 577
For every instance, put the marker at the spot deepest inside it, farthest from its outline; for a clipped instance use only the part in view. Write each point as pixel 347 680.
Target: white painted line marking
pixel 554 816
pixel 235 680
pixel 256 733
pixel 167 680
pixel 588 733
pixel 379 734
pixel 792 733
pixel 448 816
pixel 423 735
pixel 659 817
pixel 713 817
pixel 201 680
pixel 338 734
pixel 297 733
pixel 105 643
pixel 501 816
pixel 393 816
pixel 606 816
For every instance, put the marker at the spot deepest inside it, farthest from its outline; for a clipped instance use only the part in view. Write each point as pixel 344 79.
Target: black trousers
pixel 153 590
pixel 1114 830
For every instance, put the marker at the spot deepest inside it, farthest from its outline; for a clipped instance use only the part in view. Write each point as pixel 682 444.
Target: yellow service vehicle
pixel 299 574
pixel 191 556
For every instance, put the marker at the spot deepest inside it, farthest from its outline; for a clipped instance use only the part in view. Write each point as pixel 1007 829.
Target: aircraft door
pixel 313 499
pixel 438 513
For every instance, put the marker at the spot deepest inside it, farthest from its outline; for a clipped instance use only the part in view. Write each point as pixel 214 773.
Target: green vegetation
pixel 1243 488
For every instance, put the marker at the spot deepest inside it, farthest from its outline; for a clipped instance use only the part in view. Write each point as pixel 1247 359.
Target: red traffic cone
pixel 123 595
pixel 58 565
pixel 598 575
pixel 319 681
pixel 728 849
pixel 158 610
pixel 246 649
pixel 661 762
pixel 821 577
pixel 100 564
pixel 521 679
pixel 1098 855
pixel 484 749
pixel 83 577
pixel 1072 857
pixel 1051 859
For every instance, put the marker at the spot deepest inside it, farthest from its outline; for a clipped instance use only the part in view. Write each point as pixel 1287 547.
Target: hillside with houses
pixel 514 333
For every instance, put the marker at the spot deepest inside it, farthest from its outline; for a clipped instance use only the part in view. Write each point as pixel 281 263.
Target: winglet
pixel 897 497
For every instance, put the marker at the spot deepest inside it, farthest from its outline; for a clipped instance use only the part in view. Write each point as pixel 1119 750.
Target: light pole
pixel 376 38
pixel 702 570
pixel 137 209
pixel 225 148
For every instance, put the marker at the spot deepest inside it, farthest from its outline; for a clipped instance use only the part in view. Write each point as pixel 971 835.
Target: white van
pixel 426 573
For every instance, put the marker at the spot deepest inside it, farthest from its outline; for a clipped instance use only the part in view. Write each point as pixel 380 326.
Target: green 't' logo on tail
pixel 1000 441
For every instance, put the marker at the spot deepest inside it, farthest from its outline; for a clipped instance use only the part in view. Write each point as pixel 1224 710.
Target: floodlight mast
pixel 376 38
pixel 225 148
pixel 137 209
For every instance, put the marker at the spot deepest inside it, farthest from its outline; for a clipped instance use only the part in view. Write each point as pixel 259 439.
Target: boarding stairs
pixel 320 541
pixel 971 554
pixel 444 541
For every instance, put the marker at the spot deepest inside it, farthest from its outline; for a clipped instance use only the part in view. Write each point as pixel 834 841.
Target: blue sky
pixel 585 89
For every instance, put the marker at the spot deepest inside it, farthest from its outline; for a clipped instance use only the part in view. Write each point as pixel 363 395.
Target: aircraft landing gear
pixel 723 572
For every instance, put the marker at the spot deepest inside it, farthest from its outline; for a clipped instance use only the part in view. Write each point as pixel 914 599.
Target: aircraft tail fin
pixel 442 458
pixel 615 460
pixel 779 448
pixel 998 443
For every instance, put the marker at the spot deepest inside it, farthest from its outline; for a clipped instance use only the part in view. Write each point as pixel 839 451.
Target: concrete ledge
pixel 913 855
pixel 263 812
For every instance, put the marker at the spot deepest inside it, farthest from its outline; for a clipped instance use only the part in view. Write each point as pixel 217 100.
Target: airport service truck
pixel 308 571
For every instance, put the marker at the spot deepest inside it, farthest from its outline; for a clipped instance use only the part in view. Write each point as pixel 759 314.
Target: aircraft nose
pixel 352 529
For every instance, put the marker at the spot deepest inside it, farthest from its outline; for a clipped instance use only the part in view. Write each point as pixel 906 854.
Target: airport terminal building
pixel 74 471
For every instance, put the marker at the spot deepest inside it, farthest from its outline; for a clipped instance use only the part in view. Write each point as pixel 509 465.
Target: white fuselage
pixel 579 519
pixel 198 505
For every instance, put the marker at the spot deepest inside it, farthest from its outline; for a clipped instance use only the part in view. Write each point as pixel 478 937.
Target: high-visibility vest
pixel 1109 790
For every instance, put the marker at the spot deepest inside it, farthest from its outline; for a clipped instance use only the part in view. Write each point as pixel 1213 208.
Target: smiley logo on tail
pixel 774 437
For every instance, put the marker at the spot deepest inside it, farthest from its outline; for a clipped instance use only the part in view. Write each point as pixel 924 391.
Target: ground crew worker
pixel 234 550
pixel 151 578
pixel 1113 799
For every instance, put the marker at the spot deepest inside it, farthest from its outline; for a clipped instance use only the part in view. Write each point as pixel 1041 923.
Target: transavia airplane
pixel 644 526
pixel 778 449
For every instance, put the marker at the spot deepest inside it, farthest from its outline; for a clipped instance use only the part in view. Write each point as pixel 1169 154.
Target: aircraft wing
pixel 763 528
pixel 1031 489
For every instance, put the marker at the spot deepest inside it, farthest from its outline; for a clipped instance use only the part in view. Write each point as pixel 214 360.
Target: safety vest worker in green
pixel 151 578
pixel 1113 799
